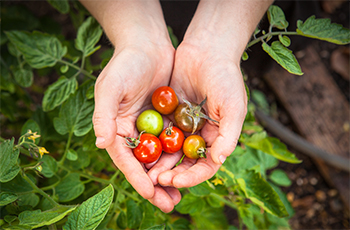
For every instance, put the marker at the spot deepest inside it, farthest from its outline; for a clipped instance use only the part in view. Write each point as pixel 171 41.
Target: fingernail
pixel 99 140
pixel 222 158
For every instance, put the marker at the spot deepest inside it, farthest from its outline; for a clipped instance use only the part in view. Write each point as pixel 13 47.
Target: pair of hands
pixel 206 63
pixel 124 89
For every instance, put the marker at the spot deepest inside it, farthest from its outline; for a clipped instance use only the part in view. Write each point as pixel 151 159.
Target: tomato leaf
pixel 133 214
pixel 23 75
pixel 92 211
pixel 261 193
pixel 37 218
pixel 190 204
pixel 59 92
pixel 75 115
pixel 283 56
pixel 49 166
pixel 61 5
pixel 89 33
pixel 279 177
pixel 7 198
pixel 148 219
pixel 29 199
pixel 276 17
pixel 39 50
pixel 210 218
pixel 70 187
pixel 8 161
pixel 323 29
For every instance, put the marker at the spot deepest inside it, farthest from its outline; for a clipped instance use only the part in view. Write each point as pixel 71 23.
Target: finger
pixel 203 170
pixel 134 172
pixel 229 132
pixel 166 178
pixel 106 111
pixel 166 162
pixel 165 198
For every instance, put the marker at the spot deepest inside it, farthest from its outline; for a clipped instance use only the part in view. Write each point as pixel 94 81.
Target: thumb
pixel 105 113
pixel 229 132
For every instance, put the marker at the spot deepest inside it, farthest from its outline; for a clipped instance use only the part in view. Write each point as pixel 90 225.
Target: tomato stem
pixel 202 152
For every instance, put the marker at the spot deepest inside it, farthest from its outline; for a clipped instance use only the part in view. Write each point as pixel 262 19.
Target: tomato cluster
pixel 153 139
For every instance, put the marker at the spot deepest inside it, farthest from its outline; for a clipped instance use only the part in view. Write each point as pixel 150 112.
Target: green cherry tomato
pixel 150 121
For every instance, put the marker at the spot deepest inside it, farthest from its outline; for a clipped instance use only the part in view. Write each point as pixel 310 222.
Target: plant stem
pixel 38 190
pixel 258 39
pixel 86 73
pixel 67 147
pixel 222 199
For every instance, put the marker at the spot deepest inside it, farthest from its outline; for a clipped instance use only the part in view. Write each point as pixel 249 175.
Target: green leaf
pixel 64 68
pixel 279 177
pixel 7 198
pixel 23 76
pixel 283 56
pixel 37 218
pixel 181 223
pixel 284 40
pixel 210 218
pixel 39 50
pixel 133 214
pixel 148 218
pixel 17 185
pixel 61 5
pixel 89 33
pixel 274 147
pixel 122 221
pixel 49 166
pixel 90 92
pixel 190 204
pixel 245 56
pixel 82 161
pixel 157 227
pixel 13 50
pixel 92 211
pixel 70 187
pixel 276 17
pixel 201 189
pixel 59 92
pixel 30 199
pixel 323 29
pixel 72 155
pixel 261 193
pixel 8 161
pixel 75 114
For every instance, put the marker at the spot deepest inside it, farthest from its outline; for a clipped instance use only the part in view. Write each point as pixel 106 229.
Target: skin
pixel 144 60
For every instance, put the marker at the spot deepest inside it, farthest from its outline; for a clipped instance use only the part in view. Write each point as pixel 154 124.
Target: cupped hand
pixel 122 91
pixel 201 71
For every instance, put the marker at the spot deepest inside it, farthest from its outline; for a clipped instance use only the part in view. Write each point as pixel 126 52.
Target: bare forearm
pixel 127 20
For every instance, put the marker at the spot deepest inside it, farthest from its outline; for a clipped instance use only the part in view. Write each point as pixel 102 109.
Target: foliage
pixel 54 176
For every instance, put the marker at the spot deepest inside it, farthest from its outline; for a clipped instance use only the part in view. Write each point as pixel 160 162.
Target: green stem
pixel 38 190
pixel 227 202
pixel 86 73
pixel 67 147
pixel 258 39
pixel 114 176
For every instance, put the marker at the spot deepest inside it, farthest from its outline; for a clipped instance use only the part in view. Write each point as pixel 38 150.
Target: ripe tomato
pixel 164 100
pixel 172 139
pixel 150 121
pixel 194 147
pixel 147 148
pixel 185 121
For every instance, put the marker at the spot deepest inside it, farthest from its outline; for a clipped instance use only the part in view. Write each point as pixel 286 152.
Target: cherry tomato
pixel 147 148
pixel 164 100
pixel 185 121
pixel 172 139
pixel 194 147
pixel 150 121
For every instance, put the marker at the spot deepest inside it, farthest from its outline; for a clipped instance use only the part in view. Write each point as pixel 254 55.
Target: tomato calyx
pixel 196 114
pixel 133 142
pixel 202 152
pixel 169 129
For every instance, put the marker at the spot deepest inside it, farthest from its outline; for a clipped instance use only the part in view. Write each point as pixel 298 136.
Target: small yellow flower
pixel 217 181
pixel 33 136
pixel 42 151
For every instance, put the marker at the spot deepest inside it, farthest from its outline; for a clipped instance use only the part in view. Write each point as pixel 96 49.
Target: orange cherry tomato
pixel 172 139
pixel 194 147
pixel 164 100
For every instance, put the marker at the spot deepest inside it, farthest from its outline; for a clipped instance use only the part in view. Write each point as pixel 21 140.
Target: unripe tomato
pixel 150 121
pixel 172 139
pixel 164 100
pixel 147 148
pixel 194 147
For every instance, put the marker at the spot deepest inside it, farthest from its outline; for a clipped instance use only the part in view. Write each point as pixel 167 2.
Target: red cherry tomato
pixel 164 100
pixel 172 139
pixel 194 147
pixel 147 148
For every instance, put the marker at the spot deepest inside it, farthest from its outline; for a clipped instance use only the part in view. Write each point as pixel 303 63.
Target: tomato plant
pixel 172 139
pixel 164 100
pixel 194 147
pixel 150 121
pixel 147 148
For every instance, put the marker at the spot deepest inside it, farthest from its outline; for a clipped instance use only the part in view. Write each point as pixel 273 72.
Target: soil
pixel 317 205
